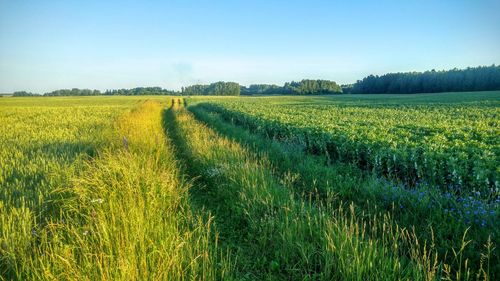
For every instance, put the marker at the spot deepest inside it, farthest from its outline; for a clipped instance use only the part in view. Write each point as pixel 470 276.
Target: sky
pixel 49 45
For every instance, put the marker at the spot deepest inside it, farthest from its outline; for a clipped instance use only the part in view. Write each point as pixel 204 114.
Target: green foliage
pixel 140 91
pixel 415 209
pixel 260 89
pixel 453 147
pixel 97 189
pixel 304 87
pixel 482 78
pixel 73 92
pixel 24 94
pixel 214 89
pixel 282 233
pixel 281 236
pixel 309 87
pixel 91 191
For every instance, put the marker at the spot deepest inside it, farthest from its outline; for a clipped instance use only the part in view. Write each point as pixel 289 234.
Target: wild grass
pixel 122 188
pixel 124 215
pixel 425 213
pixel 273 234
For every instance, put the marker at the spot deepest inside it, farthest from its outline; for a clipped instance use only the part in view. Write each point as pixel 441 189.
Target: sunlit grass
pixel 129 188
pixel 274 234
pixel 122 214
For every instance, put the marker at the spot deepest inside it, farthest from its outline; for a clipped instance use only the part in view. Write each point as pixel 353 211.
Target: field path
pixel 318 177
pixel 267 231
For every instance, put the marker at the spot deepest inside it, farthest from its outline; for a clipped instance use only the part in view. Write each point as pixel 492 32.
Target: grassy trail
pixel 125 216
pixel 314 174
pixel 157 194
pixel 272 234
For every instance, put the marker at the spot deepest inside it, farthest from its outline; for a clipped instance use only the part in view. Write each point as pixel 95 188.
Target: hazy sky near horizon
pixel 48 45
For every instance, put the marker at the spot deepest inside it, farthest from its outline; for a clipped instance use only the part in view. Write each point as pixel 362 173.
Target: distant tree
pixel 346 88
pixel 303 87
pixel 482 78
pixel 73 92
pixel 262 89
pixel 194 90
pixel 214 89
pixel 126 92
pixel 24 94
pixel 312 87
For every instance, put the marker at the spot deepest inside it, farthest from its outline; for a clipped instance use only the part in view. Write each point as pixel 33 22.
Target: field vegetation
pixel 369 187
pixel 92 191
pixel 454 147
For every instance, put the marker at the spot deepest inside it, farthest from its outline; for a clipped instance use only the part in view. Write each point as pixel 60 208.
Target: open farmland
pixel 352 187
pixel 90 190
pixel 250 140
pixel 453 146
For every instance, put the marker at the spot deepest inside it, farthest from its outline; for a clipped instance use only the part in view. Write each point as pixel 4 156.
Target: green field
pixel 453 145
pixel 346 187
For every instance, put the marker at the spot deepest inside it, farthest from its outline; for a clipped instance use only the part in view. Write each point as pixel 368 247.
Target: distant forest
pixel 304 87
pixel 482 78
pixel 86 92
pixel 152 91
pixel 214 89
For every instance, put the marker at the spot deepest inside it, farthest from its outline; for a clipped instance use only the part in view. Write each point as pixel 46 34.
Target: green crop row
pixel 454 147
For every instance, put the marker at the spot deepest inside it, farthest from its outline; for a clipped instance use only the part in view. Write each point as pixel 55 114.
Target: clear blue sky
pixel 47 45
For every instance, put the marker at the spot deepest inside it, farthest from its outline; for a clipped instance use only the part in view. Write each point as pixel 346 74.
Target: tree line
pixel 87 92
pixel 303 87
pixel 140 91
pixel 482 78
pixel 24 94
pixel 214 89
pixel 73 92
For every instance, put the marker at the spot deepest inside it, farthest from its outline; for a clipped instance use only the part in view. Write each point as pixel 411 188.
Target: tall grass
pixel 93 189
pixel 273 234
pixel 125 216
pixel 408 208
pixel 41 148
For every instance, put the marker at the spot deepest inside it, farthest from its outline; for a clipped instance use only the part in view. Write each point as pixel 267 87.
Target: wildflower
pixel 98 200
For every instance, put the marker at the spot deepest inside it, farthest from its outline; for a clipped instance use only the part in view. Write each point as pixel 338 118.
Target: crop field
pixel 350 187
pixel 455 147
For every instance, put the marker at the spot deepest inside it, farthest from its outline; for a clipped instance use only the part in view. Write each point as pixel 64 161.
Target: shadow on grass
pixel 207 195
pixel 370 194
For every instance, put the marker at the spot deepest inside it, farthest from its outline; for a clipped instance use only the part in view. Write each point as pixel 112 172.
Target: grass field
pixel 353 187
